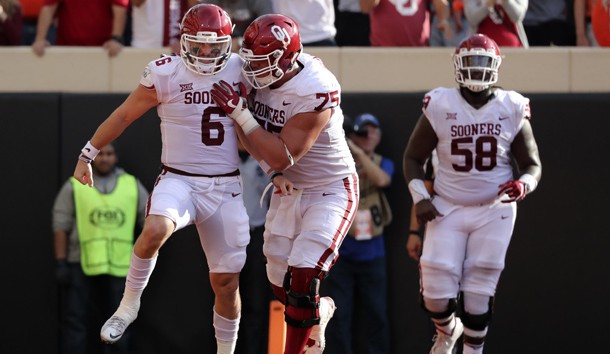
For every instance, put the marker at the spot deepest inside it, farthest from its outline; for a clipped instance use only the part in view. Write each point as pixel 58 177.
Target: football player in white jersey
pixel 476 129
pixel 199 183
pixel 293 125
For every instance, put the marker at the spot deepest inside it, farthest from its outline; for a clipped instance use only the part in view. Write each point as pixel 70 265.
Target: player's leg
pixel 170 209
pixel 328 214
pixel 485 255
pixel 224 233
pixel 441 270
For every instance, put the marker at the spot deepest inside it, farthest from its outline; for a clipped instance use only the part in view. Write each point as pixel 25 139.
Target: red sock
pixel 296 337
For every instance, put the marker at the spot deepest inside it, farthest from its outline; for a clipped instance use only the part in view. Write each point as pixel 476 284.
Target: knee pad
pixel 308 279
pixel 477 322
pixel 451 307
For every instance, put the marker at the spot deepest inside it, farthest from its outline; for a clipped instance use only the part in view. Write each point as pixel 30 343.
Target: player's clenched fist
pixel 228 99
pixel 515 190
pixel 234 104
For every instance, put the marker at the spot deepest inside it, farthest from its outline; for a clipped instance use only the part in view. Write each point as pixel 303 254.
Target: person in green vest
pixel 93 231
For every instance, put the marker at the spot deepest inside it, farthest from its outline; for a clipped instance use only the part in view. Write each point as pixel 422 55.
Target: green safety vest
pixel 105 224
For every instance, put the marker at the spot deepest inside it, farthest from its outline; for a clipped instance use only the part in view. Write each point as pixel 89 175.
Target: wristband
pixel 275 174
pixel 418 190
pixel 117 38
pixel 530 182
pixel 90 151
pixel 246 121
pixel 84 159
pixel 415 232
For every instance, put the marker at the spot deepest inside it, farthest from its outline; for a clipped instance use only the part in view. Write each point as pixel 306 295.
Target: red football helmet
pixel 270 48
pixel 205 39
pixel 477 60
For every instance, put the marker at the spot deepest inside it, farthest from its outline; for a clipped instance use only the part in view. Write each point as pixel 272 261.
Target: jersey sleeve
pixel 429 106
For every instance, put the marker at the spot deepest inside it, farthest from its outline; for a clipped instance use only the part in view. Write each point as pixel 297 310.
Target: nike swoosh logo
pixel 503 217
pixel 235 194
pixel 325 194
pixel 231 104
pixel 113 336
pixel 502 118
pixel 286 104
pixel 88 150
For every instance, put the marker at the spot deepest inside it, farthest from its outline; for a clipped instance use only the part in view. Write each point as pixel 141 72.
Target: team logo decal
pixel 451 115
pixel 107 217
pixel 186 87
pixel 281 34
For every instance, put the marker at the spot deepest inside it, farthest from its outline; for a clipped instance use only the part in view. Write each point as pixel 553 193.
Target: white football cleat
pixel 444 343
pixel 113 329
pixel 317 342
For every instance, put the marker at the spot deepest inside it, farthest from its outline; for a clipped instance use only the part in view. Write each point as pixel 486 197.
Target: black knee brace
pixel 477 322
pixel 305 301
pixel 451 307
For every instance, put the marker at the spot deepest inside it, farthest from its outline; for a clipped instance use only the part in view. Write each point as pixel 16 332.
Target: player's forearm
pixel 271 149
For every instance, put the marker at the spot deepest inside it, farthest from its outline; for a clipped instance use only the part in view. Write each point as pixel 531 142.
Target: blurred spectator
pixel 316 20
pixel 546 23
pixel 500 20
pixel 359 279
pixel 93 230
pixel 600 19
pixel 440 35
pixel 10 23
pixel 83 23
pixel 156 23
pixel 30 10
pixel 582 23
pixel 255 291
pixel 403 24
pixel 242 12
pixel 353 28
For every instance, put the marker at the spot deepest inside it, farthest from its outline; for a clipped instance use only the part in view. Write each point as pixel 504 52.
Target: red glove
pixel 229 100
pixel 516 191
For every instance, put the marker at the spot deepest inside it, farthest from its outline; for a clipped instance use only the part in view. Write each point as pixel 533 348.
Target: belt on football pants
pixel 166 169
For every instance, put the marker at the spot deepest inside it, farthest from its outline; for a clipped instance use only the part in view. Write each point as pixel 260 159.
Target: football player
pixel 292 124
pixel 199 183
pixel 476 130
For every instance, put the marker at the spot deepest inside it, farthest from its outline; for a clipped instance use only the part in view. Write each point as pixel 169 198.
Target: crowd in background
pixel 383 23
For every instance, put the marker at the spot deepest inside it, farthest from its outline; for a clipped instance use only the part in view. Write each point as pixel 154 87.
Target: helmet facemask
pixel 476 69
pixel 205 53
pixel 255 66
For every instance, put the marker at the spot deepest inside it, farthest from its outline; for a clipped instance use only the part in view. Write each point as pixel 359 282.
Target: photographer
pixel 359 279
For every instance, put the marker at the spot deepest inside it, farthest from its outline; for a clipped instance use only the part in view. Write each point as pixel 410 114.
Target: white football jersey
pixel 473 144
pixel 197 136
pixel 315 88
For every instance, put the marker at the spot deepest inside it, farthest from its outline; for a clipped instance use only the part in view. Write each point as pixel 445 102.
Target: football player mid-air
pixel 199 183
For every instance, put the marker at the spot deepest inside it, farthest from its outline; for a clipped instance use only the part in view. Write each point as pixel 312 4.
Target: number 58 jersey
pixel 474 144
pixel 197 136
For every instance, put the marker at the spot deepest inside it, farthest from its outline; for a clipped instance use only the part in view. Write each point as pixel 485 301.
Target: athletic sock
pixel 226 333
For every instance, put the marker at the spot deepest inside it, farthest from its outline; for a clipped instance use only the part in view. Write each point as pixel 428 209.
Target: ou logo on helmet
pixel 281 35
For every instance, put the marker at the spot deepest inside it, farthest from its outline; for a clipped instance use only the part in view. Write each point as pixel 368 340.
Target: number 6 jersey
pixel 198 137
pixel 474 144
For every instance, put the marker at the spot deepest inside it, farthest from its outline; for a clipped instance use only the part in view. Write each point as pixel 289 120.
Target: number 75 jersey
pixel 474 144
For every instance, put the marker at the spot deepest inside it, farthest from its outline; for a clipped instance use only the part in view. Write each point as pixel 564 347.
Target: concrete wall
pixel 88 69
